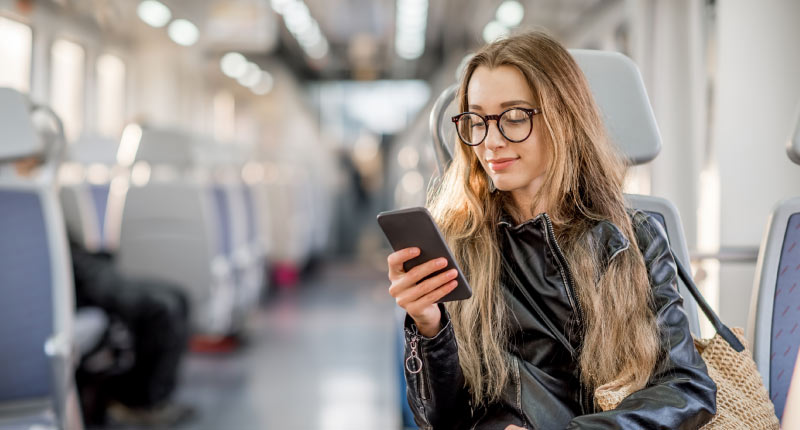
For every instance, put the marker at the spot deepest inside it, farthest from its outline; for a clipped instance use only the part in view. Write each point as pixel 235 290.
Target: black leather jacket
pixel 544 391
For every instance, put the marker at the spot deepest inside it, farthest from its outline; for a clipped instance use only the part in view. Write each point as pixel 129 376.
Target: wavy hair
pixel 583 185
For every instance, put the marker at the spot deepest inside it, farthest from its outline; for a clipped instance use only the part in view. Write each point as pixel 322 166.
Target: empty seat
pixel 174 227
pixel 241 242
pixel 774 325
pixel 85 179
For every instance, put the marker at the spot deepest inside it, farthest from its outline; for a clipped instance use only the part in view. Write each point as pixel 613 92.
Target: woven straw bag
pixel 742 400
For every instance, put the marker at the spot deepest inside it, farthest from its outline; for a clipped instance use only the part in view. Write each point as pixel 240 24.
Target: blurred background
pixel 236 153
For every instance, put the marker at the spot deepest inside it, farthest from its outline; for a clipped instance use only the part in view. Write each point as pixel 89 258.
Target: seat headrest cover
pixel 166 146
pixel 18 136
pixel 93 149
pixel 620 94
pixel 793 146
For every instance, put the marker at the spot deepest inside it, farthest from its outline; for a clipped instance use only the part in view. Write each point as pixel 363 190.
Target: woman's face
pixel 516 167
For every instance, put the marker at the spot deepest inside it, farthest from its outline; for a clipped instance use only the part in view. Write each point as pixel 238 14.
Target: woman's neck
pixel 523 205
pixel 523 200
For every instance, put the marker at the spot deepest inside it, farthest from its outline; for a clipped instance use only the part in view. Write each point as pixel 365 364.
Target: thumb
pixel 513 427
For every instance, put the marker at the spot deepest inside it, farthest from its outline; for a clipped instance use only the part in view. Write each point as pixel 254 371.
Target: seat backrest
pixel 620 94
pixel 774 325
pixel 92 153
pixel 36 290
pixel 26 302
pixel 175 227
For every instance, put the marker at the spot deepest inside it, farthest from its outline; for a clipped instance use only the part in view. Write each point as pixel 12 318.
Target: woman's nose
pixel 494 139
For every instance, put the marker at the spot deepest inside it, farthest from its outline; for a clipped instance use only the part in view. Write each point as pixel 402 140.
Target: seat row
pixel 166 204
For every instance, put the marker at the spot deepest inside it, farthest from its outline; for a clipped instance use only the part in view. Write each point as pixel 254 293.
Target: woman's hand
pixel 419 298
pixel 513 427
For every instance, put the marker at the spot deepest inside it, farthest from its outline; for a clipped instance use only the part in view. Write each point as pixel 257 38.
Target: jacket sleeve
pixel 680 394
pixel 436 391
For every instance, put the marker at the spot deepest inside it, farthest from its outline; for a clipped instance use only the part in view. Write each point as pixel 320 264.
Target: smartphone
pixel 414 227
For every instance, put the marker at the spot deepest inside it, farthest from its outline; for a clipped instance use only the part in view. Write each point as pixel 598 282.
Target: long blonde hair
pixel 583 185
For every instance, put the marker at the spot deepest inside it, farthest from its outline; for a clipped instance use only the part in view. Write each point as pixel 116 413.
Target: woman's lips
pixel 501 163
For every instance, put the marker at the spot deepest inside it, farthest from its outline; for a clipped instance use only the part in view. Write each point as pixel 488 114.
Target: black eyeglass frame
pixel 496 118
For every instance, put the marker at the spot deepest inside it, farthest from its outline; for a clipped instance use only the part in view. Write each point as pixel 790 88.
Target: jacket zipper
pixel 414 363
pixel 576 305
pixel 565 273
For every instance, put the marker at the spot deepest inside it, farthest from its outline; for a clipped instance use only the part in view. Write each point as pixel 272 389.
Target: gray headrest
pixel 619 91
pixel 793 145
pixel 166 146
pixel 18 137
pixel 94 149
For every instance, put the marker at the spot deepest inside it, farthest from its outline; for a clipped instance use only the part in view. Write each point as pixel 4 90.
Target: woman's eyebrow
pixel 504 104
pixel 515 102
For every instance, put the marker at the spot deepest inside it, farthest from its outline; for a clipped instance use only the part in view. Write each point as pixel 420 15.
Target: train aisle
pixel 319 356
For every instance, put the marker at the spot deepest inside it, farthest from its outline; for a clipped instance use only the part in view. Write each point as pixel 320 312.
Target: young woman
pixel 571 290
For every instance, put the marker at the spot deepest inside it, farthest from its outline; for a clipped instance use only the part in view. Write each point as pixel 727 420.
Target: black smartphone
pixel 414 227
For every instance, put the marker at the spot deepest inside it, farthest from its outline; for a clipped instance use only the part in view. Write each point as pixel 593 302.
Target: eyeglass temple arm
pixel 440 149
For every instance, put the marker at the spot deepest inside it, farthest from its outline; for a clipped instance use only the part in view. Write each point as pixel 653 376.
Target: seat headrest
pixel 793 145
pixel 620 94
pixel 166 146
pixel 18 137
pixel 93 149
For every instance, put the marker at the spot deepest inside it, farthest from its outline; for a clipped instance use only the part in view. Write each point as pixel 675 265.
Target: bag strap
pixel 721 328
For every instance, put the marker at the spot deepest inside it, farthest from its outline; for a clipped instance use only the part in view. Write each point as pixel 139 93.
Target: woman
pixel 571 290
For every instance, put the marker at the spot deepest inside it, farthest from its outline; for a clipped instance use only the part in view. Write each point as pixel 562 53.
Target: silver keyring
pixel 419 367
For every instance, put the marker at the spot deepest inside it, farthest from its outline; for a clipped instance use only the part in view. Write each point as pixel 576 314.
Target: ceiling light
pixel 183 32
pixel 264 84
pixel 510 13
pixel 319 50
pixel 251 76
pixel 412 19
pixel 494 31
pixel 280 5
pixel 154 13
pixel 233 65
pixel 297 17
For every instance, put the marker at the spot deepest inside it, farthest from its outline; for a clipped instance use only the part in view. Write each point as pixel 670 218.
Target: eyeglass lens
pixel 514 124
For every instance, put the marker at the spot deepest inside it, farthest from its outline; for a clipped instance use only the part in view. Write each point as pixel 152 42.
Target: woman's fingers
pixel 396 260
pixel 419 290
pixel 435 295
pixel 404 281
pixel 513 427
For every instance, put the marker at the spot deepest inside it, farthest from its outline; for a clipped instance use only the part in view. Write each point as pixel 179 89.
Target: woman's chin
pixel 504 184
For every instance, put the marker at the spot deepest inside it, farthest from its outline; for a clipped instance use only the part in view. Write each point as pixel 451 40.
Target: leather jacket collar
pixel 609 239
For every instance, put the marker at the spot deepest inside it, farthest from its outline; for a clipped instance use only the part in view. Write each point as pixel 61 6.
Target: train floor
pixel 320 355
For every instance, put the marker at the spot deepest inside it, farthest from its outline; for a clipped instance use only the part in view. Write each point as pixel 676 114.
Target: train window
pixel 66 85
pixel 110 95
pixel 15 55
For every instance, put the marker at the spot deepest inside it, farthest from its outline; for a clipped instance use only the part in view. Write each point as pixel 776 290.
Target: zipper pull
pixel 413 362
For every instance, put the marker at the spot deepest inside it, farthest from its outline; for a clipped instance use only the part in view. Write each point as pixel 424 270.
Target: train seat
pixel 240 243
pixel 620 94
pixel 85 178
pixel 171 228
pixel 774 323
pixel 36 289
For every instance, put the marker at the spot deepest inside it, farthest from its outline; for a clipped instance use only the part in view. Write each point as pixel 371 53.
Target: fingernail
pixel 414 251
pixel 452 273
pixel 441 262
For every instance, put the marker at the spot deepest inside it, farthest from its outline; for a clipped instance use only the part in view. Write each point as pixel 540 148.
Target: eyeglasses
pixel 515 125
